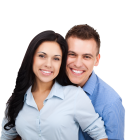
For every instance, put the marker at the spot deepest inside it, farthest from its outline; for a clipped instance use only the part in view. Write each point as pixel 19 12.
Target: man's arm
pixel 19 138
pixel 113 116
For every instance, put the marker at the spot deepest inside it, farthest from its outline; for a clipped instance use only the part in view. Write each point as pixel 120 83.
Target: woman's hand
pixel 18 138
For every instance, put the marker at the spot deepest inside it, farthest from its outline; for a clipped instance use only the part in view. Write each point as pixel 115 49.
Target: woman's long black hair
pixel 26 77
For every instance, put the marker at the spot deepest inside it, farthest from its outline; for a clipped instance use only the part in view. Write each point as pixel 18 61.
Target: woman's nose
pixel 48 63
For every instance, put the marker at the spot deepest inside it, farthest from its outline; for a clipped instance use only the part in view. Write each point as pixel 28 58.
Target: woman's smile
pixel 46 72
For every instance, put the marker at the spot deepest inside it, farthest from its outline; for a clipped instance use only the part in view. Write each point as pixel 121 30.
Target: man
pixel 83 54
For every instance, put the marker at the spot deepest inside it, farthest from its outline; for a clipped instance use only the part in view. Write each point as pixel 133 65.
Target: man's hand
pixel 18 138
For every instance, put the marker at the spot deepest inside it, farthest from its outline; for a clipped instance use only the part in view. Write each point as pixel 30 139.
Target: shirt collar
pixel 57 91
pixel 90 84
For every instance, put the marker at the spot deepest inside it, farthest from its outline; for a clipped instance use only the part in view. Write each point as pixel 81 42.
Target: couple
pixel 45 103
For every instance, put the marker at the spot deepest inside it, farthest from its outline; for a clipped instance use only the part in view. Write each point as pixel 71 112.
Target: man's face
pixel 82 57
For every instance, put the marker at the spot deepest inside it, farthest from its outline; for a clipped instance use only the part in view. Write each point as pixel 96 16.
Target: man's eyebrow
pixel 83 54
pixel 88 54
pixel 46 54
pixel 71 52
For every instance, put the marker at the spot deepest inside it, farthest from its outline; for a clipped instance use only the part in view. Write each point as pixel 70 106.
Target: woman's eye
pixel 42 56
pixel 56 58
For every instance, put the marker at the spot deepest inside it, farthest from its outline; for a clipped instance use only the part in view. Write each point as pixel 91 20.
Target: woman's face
pixel 47 61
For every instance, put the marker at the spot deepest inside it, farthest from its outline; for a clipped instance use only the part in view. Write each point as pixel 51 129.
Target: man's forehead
pixel 81 50
pixel 74 38
pixel 74 41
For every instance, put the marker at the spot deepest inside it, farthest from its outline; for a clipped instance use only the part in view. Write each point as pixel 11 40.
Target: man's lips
pixel 77 72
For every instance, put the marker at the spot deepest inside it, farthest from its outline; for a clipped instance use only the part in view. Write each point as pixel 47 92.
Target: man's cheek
pixel 69 60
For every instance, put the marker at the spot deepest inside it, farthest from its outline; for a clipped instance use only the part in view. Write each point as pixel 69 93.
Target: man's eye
pixel 56 59
pixel 42 56
pixel 87 56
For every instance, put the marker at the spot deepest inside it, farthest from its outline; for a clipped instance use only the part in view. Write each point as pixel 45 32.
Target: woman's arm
pixel 87 118
pixel 7 134
pixel 17 138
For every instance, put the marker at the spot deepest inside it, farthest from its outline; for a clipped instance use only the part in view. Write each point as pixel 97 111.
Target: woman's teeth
pixel 46 71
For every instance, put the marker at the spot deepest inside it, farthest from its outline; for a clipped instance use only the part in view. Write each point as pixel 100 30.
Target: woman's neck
pixel 42 87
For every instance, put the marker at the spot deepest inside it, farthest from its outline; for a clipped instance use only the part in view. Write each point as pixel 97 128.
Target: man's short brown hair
pixel 84 32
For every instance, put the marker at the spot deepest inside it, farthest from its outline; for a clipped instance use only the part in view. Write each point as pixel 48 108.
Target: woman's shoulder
pixel 75 94
pixel 71 89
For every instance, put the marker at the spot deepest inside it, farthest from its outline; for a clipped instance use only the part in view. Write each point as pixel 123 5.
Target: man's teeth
pixel 46 71
pixel 77 71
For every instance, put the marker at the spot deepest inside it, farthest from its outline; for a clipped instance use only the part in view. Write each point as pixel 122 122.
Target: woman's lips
pixel 46 72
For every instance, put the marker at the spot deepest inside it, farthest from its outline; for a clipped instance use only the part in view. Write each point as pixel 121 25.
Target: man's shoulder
pixel 108 104
pixel 103 84
pixel 104 92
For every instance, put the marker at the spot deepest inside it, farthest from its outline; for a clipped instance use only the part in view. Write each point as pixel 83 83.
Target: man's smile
pixel 77 72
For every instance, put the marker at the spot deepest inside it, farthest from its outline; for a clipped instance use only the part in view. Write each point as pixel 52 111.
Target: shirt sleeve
pixel 87 118
pixel 113 116
pixel 8 134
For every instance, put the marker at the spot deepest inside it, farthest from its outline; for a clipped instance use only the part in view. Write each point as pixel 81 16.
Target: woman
pixel 41 107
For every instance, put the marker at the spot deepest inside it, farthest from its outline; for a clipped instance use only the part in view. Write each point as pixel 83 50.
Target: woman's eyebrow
pixel 57 55
pixel 46 54
pixel 42 52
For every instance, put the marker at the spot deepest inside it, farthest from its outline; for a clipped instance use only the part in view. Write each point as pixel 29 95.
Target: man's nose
pixel 78 62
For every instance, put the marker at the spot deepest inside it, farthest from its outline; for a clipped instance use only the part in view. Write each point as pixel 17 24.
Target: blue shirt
pixel 109 106
pixel 65 108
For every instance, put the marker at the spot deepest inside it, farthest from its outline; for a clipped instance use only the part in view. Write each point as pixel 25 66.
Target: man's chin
pixel 75 81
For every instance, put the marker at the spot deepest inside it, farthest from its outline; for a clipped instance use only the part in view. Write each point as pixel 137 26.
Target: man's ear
pixel 97 60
